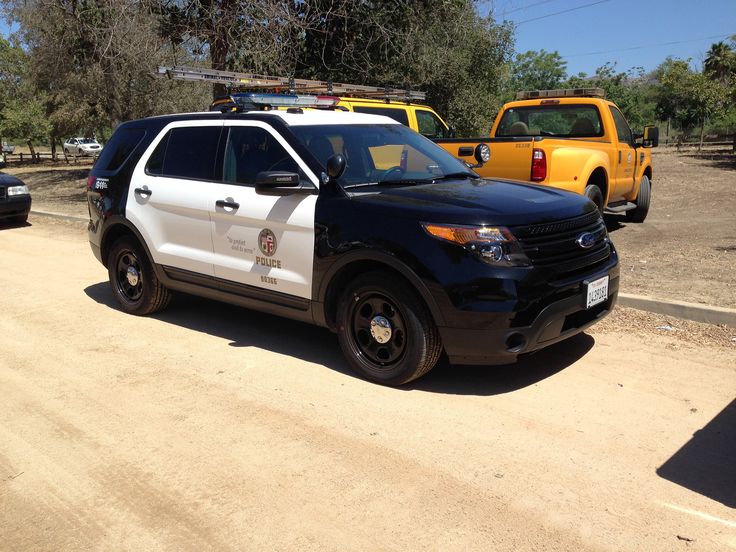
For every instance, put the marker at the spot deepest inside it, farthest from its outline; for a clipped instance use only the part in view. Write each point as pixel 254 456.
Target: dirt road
pixel 214 428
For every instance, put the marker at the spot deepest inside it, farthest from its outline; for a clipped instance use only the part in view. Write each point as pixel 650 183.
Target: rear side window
pixel 186 152
pixel 251 150
pixel 119 148
pixel 397 114
pixel 429 125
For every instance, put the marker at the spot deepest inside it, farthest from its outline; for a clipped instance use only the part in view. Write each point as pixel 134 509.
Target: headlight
pixel 494 244
pixel 18 190
pixel 482 153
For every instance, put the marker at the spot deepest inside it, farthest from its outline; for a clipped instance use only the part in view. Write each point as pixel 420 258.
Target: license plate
pixel 597 291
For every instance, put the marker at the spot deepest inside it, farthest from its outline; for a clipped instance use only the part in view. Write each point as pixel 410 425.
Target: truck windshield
pixel 565 121
pixel 381 154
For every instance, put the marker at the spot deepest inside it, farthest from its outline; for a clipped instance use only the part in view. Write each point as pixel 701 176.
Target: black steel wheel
pixel 386 331
pixel 134 283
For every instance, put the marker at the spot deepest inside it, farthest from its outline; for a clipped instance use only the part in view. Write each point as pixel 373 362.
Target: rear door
pixel 261 241
pixel 168 195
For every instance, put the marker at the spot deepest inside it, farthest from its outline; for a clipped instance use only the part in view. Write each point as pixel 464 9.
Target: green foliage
pixel 24 120
pixel 537 71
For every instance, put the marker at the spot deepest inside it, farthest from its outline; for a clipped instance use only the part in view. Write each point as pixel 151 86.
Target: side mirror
pixel 336 166
pixel 451 132
pixel 277 183
pixel 2 164
pixel 651 136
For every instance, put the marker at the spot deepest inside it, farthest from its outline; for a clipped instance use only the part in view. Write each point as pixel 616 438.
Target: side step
pixel 620 207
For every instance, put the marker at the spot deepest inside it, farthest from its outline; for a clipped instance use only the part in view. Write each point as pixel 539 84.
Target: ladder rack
pixel 252 81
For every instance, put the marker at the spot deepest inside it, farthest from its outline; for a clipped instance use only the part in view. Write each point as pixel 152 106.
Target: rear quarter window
pixel 119 148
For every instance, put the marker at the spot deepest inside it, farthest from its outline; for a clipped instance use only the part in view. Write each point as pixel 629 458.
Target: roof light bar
pixel 562 93
pixel 255 100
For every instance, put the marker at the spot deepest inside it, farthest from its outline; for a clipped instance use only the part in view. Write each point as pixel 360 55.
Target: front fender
pixel 571 168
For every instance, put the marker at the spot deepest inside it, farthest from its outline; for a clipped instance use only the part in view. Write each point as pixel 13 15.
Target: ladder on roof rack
pixel 264 82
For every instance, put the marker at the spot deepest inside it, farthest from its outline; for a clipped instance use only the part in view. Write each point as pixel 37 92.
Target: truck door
pixel 625 158
pixel 261 241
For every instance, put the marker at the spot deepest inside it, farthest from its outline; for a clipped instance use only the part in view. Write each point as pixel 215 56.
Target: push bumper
pixel 557 321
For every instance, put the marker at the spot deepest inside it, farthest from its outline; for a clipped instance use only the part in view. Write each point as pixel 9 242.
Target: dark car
pixel 352 222
pixel 15 199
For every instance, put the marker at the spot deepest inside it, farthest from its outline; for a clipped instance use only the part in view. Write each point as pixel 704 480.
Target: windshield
pixel 381 154
pixel 566 121
pixel 87 140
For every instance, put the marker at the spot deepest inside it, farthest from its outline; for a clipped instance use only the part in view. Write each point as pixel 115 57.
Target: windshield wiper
pixel 455 176
pixel 398 182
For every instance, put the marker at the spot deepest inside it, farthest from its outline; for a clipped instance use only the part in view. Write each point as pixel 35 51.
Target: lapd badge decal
pixel 267 242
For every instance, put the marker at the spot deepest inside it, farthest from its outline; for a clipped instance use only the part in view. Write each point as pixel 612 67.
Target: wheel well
pixel 600 179
pixel 340 280
pixel 111 236
pixel 648 173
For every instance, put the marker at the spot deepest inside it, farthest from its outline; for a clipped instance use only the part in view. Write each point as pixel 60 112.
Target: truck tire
pixel 385 331
pixel 134 283
pixel 642 201
pixel 594 194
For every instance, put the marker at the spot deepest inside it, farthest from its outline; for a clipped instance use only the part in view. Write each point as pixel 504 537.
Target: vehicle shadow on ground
pixel 706 464
pixel 247 328
pixel 4 225
pixel 614 222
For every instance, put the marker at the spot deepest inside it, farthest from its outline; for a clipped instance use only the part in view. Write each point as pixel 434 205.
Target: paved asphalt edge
pixel 678 309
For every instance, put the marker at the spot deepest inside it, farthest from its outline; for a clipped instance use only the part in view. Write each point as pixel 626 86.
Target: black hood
pixel 9 180
pixel 489 202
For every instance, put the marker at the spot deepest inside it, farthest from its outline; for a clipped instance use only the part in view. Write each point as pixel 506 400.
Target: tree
pixel 538 71
pixel 25 119
pixel 720 62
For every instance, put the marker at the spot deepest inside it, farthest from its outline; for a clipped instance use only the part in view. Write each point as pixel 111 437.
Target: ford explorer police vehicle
pixel 288 213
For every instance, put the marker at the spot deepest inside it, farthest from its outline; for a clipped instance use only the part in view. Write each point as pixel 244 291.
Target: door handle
pixel 143 191
pixel 619 156
pixel 225 203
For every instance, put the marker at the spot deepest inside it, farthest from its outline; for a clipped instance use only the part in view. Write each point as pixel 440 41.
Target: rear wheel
pixel 642 201
pixel 385 330
pixel 134 283
pixel 594 194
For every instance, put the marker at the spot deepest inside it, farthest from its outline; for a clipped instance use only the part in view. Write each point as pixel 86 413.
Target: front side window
pixel 429 124
pixel 186 152
pixel 398 114
pixel 562 120
pixel 251 150
pixel 622 127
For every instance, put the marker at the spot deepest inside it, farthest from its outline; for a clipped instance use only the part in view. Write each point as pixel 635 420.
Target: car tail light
pixel 90 182
pixel 539 165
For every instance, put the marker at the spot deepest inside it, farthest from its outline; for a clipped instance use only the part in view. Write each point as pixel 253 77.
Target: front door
pixel 625 158
pixel 261 241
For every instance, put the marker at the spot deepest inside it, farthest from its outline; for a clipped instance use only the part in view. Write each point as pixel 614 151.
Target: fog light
pixel 492 252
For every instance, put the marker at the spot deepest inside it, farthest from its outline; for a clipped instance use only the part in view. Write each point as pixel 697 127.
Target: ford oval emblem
pixel 586 240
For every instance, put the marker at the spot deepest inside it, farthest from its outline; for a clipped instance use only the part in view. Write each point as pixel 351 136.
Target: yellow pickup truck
pixel 574 140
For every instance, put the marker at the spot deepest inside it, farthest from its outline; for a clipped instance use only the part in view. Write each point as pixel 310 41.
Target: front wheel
pixel 385 330
pixel 134 283
pixel 642 201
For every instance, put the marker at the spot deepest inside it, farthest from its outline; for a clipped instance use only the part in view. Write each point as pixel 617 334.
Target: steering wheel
pixel 387 172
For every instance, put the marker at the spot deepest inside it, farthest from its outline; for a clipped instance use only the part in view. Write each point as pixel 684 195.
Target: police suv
pixel 352 222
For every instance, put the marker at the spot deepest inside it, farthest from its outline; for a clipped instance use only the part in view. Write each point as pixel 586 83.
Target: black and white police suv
pixel 352 222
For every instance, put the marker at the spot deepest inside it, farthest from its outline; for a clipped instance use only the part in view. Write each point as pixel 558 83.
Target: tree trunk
pixel 53 148
pixel 33 151
pixel 702 133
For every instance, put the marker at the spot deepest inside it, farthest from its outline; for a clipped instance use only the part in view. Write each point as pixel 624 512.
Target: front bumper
pixel 504 341
pixel 15 206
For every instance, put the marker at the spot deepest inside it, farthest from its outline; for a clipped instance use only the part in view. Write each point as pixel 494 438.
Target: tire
pixel 594 194
pixel 413 343
pixel 66 152
pixel 642 201
pixel 134 283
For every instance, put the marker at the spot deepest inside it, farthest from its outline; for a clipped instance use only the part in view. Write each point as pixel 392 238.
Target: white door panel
pixel 174 218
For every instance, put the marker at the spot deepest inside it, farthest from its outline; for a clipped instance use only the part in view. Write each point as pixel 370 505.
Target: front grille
pixel 553 247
